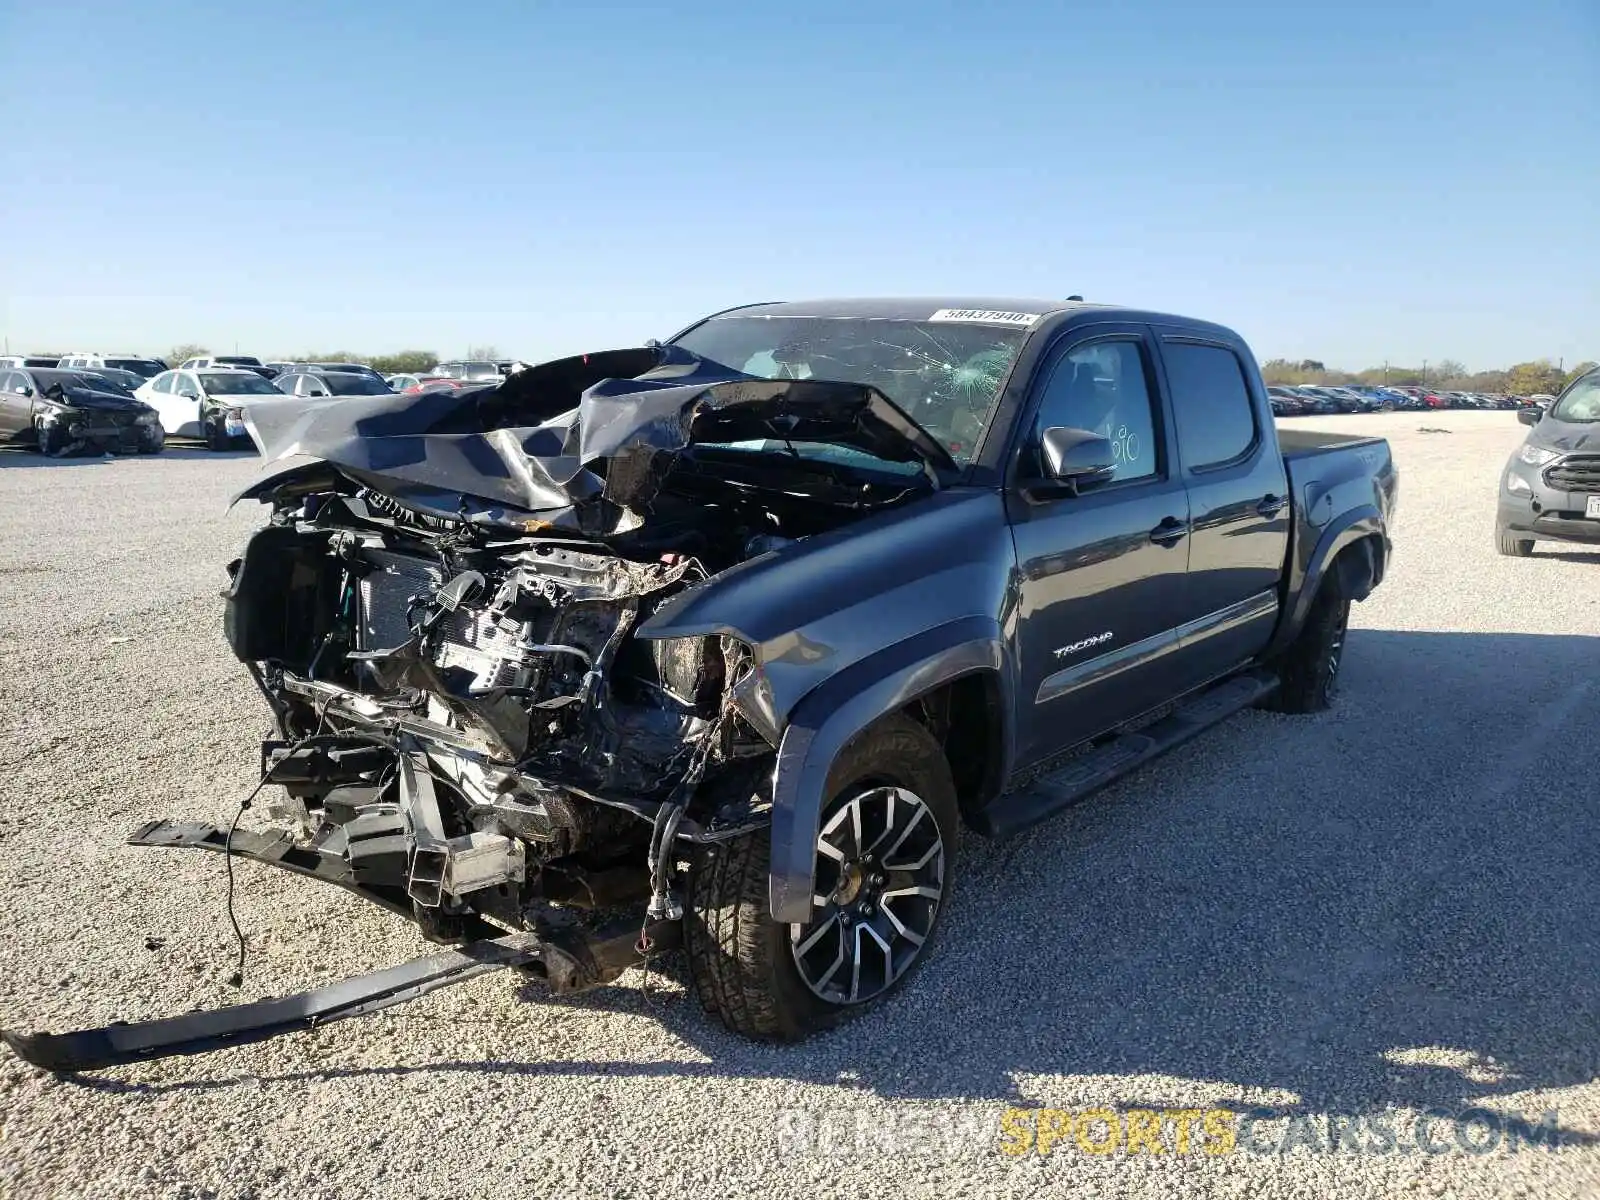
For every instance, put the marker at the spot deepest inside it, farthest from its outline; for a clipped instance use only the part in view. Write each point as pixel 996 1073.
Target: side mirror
pixel 1530 416
pixel 24 390
pixel 189 395
pixel 1076 458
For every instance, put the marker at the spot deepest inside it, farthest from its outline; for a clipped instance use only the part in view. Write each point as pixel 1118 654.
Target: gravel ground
pixel 1390 906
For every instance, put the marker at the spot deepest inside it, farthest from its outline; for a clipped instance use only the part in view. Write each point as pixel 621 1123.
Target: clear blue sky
pixel 1352 182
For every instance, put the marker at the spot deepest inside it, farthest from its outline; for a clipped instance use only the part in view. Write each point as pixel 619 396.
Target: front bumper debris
pixel 241 1024
pixel 570 958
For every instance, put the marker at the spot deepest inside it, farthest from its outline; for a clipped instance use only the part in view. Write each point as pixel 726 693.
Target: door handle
pixel 1271 505
pixel 1170 532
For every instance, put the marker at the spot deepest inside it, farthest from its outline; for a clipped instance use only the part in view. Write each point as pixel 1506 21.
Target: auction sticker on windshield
pixel 984 316
pixel 1592 508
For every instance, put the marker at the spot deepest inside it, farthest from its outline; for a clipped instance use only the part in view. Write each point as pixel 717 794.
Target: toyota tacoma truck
pixel 719 643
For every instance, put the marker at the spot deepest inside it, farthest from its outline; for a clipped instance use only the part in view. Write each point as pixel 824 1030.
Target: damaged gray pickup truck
pixel 717 643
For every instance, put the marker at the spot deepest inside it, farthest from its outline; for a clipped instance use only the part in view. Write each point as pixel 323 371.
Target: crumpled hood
pixel 577 443
pixel 73 397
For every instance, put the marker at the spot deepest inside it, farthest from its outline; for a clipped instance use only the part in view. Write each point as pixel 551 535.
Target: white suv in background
pixel 221 362
pixel 145 368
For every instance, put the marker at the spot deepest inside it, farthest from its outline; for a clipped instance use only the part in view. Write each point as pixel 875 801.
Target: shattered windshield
pixel 946 376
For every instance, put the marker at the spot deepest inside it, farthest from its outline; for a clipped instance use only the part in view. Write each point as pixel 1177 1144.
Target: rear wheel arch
pixel 1360 566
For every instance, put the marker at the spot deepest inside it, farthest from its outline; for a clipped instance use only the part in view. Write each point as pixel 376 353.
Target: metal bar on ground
pixel 243 1024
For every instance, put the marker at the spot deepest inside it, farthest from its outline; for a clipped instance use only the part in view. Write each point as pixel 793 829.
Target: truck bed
pixel 1303 443
pixel 1334 479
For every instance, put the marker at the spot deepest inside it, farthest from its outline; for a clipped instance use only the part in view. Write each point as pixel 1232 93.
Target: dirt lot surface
pixel 1362 916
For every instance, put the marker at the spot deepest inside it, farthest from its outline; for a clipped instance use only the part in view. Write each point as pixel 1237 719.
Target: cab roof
pixel 901 308
pixel 1012 311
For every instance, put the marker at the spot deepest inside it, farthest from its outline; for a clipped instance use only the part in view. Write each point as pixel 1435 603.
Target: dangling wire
pixel 316 735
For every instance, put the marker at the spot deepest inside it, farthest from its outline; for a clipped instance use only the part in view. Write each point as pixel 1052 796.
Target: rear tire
pixel 777 982
pixel 1511 545
pixel 1308 671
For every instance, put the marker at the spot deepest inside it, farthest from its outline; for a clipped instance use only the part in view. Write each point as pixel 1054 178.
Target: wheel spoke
pixel 816 934
pixel 901 929
pixel 913 866
pixel 888 954
pixel 927 893
pixel 916 819
pixel 838 961
pixel 855 967
pixel 888 821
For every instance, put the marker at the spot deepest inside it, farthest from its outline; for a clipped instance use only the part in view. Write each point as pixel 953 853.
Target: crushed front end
pixel 443 612
pixel 466 720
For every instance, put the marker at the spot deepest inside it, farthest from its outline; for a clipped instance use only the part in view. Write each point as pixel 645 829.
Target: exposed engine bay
pixel 466 716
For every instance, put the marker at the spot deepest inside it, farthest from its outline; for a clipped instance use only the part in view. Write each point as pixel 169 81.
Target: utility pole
pixel 1386 372
pixel 1424 372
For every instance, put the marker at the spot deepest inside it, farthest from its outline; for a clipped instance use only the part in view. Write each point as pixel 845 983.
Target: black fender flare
pixel 837 710
pixel 1350 527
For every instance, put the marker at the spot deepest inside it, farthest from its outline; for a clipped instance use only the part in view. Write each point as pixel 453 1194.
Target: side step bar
pixel 563 965
pixel 1065 786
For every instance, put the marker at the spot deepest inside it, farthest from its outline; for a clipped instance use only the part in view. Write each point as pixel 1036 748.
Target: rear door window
pixel 1211 403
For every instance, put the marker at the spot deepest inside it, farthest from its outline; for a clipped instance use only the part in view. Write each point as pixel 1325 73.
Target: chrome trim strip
pixel 1106 666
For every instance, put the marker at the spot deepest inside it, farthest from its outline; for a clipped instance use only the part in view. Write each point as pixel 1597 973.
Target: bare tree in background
pixel 179 353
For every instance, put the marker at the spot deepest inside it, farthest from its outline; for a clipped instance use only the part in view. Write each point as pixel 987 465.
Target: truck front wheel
pixel 885 852
pixel 1308 671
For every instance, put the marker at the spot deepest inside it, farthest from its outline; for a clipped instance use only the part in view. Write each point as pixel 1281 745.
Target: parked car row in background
pixel 127 403
pixel 1309 399
pixel 60 403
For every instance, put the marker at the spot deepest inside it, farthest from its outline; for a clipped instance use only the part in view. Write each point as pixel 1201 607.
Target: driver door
pixel 1101 573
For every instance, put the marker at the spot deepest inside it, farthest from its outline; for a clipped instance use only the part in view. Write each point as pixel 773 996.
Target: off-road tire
pixel 1511 545
pixel 740 961
pixel 1308 671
